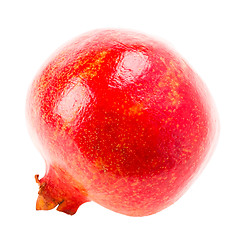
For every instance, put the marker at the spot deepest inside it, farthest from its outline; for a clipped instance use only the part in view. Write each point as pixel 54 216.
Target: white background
pixel 205 33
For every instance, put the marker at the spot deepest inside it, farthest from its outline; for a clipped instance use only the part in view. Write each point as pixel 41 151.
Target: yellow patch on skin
pixel 60 129
pixel 93 67
pixel 186 150
pixel 99 164
pixel 172 80
pixel 136 110
pixel 173 94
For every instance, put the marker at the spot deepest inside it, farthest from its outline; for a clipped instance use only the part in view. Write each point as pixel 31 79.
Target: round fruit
pixel 120 119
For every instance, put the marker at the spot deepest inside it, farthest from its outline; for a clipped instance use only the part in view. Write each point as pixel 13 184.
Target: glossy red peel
pixel 120 119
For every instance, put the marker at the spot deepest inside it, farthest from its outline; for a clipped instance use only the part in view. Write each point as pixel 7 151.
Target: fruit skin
pixel 120 119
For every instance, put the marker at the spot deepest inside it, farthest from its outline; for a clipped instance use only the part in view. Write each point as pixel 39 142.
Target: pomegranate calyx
pixel 54 193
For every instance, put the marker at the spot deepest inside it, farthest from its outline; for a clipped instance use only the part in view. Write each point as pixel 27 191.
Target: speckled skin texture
pixel 120 119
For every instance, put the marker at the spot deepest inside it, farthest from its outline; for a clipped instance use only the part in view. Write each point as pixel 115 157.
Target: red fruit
pixel 120 119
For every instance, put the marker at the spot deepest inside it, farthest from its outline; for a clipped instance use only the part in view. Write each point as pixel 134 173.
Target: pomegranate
pixel 120 119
